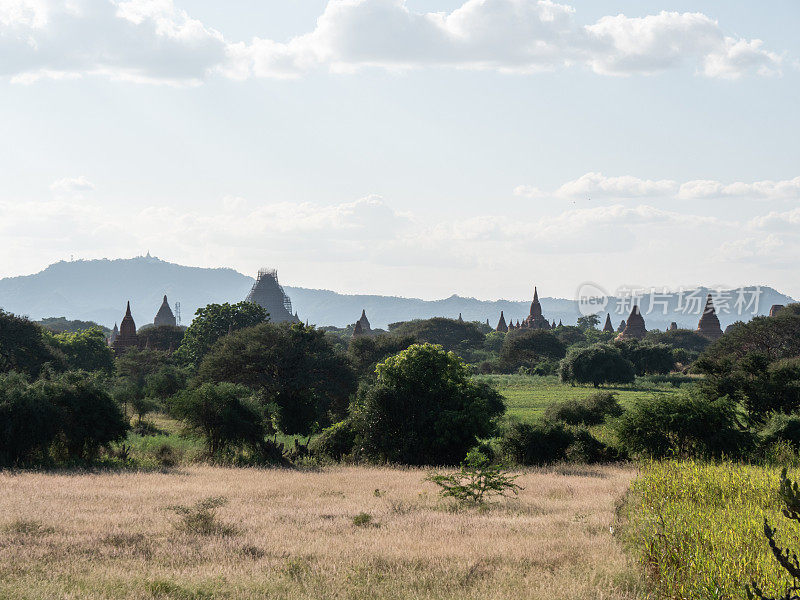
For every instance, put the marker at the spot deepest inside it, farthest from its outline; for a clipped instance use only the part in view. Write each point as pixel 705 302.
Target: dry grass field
pixel 109 535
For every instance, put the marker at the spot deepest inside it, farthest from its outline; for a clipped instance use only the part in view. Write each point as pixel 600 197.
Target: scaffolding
pixel 267 292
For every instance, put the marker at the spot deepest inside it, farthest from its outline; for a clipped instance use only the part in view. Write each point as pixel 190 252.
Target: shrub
pixel 363 520
pixel 780 428
pixel 89 419
pixel 682 425
pixel 476 481
pixel 530 346
pixel 588 411
pixel 424 409
pixel 222 414
pixel 335 441
pixel 585 448
pixel 596 364
pixel 28 421
pixel 536 444
pixel 201 517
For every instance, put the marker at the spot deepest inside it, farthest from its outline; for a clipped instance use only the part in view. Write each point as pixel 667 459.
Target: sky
pixel 413 148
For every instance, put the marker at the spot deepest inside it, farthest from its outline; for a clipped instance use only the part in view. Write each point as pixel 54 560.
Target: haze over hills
pixel 97 290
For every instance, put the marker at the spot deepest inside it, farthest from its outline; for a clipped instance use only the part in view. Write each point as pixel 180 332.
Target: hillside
pixel 97 290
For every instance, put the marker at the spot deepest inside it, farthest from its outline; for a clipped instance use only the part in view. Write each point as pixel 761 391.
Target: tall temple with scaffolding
pixel 269 294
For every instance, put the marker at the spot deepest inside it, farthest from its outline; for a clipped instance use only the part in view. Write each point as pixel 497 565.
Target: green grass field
pixel 527 396
pixel 697 528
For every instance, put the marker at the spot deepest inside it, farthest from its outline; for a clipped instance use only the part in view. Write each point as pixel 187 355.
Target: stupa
pixel 127 337
pixel 501 324
pixel 608 327
pixel 709 326
pixel 535 320
pixel 164 316
pixel 634 326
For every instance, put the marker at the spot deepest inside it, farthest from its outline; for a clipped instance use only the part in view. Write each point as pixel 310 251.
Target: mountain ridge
pixel 98 289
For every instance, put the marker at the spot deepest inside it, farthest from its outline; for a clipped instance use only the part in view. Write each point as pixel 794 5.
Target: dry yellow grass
pixel 90 536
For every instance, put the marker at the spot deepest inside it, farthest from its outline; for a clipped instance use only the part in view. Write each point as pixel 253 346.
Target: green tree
pixel 365 352
pixel 424 409
pixel 85 350
pixel 587 322
pixel 215 321
pixel 224 414
pixel 294 368
pixel 28 421
pixel 89 418
pixel 647 358
pixel 477 479
pixel 165 337
pixel 22 346
pixel 450 334
pixel 570 335
pixel 530 346
pixel 686 424
pixel 597 365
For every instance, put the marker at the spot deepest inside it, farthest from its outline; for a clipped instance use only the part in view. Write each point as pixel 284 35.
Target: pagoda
pixel 709 326
pixel 164 316
pixel 634 326
pixel 269 294
pixel 362 325
pixel 608 327
pixel 501 324
pixel 535 320
pixel 127 337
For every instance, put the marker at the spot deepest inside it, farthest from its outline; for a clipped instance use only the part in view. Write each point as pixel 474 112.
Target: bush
pixel 28 421
pixel 335 441
pixel 528 347
pixel 89 419
pixel 647 358
pixel 596 364
pixel 201 517
pixel 588 411
pixel 586 448
pixel 424 409
pixel 780 428
pixel 476 481
pixel 223 414
pixel 536 444
pixel 688 425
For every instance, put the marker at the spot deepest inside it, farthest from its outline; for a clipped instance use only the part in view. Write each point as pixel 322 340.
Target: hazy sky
pixel 418 148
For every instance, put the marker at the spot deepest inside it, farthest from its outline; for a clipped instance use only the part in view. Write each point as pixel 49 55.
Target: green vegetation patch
pixel 698 528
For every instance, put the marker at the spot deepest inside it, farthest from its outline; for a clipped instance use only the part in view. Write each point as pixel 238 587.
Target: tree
pixel 530 346
pixel 214 322
pixel 84 350
pixel 569 335
pixel 756 363
pixel 597 365
pixel 587 322
pixel 477 479
pixel 424 409
pixel 164 337
pixel 22 346
pixel 687 424
pixel 450 334
pixel 28 421
pixel 223 414
pixel 89 419
pixel 294 368
pixel 647 358
pixel 366 352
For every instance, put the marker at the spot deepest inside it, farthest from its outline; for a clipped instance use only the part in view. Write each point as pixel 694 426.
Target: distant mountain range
pixel 97 290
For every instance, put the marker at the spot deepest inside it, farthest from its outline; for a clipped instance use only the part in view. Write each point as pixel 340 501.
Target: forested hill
pixel 97 290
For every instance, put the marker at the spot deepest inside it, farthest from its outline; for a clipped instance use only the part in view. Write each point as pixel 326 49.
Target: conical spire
pixel 608 327
pixel 709 326
pixel 501 324
pixel 536 306
pixel 460 320
pixel 128 310
pixel 634 327
pixel 164 316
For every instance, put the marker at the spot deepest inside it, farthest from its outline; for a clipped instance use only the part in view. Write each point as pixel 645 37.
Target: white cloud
pixel 628 186
pixel 670 39
pixel 72 185
pixel 154 41
pixel 779 221
pixel 625 186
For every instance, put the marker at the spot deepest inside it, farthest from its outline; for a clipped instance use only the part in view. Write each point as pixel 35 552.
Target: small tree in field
pixel 476 481
pixel 596 364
